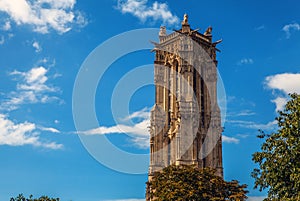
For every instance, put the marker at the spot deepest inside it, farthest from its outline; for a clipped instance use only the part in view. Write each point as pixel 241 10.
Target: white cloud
pixel 141 142
pixel 20 134
pixel 245 61
pixel 256 198
pixel 31 88
pixel 80 20
pixel 2 40
pixel 49 129
pixel 6 26
pixel 137 131
pixel 144 114
pixel 287 29
pixel 37 46
pixel 34 80
pixel 285 83
pixel 43 15
pixel 144 12
pixel 65 4
pixel 280 103
pixel 227 139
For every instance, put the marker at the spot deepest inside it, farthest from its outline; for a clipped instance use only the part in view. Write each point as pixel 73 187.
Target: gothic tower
pixel 185 121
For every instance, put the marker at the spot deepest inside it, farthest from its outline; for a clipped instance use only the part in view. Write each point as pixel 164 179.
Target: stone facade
pixel 185 121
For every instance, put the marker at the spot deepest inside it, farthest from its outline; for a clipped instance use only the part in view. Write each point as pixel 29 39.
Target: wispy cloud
pixel 137 131
pixel 144 114
pixel 43 15
pixel 245 61
pixel 282 85
pixel 26 133
pixel 49 129
pixel 6 26
pixel 253 125
pixel 230 140
pixel 261 27
pixel 240 101
pixel 2 40
pixel 37 46
pixel 242 135
pixel 241 113
pixel 290 27
pixel 46 61
pixel 32 87
pixel 144 12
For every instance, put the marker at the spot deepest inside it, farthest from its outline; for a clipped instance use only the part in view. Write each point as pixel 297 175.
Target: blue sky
pixel 43 46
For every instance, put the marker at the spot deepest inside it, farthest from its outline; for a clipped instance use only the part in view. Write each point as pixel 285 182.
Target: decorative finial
pixel 208 31
pixel 185 19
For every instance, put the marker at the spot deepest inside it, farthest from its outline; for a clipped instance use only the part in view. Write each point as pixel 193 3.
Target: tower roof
pixel 203 38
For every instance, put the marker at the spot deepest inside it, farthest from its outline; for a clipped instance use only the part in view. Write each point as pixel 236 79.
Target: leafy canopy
pixel 279 158
pixel 21 197
pixel 182 183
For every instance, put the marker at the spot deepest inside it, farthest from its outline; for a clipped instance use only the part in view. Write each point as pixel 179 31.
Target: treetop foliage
pixel 279 158
pixel 21 197
pixel 182 183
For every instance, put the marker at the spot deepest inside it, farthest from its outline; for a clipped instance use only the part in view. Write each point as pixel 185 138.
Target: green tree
pixel 182 183
pixel 21 197
pixel 279 158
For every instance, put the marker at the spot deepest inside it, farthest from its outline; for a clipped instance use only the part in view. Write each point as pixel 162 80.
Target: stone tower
pixel 185 121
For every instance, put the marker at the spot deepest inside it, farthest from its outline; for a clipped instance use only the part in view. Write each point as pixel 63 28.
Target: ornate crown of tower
pixel 185 121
